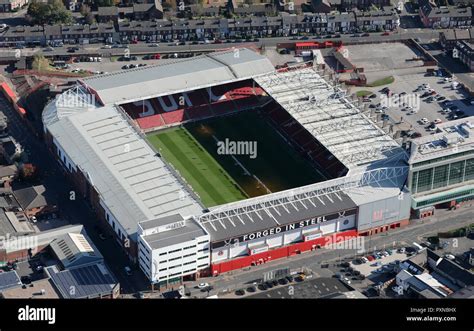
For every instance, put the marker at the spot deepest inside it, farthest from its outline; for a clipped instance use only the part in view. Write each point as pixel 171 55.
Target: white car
pixel 450 256
pixel 437 121
pixel 424 120
pixel 203 285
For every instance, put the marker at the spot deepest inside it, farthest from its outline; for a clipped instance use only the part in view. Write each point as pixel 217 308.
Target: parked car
pixel 202 285
pixel 128 270
pixel 240 292
pixel 262 287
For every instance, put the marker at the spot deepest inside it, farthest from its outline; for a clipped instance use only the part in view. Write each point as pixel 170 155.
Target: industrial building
pixel 442 167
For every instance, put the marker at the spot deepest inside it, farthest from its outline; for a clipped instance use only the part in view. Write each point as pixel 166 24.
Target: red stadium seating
pixel 150 121
pixel 195 105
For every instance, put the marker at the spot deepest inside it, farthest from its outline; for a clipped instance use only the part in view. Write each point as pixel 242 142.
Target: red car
pixel 155 56
pixel 386 33
pixel 370 258
pixel 133 42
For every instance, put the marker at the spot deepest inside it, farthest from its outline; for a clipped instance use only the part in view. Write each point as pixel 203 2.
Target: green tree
pixel 53 12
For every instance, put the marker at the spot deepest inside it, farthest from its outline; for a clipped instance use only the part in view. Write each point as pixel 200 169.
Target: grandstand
pixel 178 108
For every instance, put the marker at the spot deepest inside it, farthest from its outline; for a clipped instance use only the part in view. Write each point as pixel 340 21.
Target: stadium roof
pixel 258 220
pixel 330 117
pixel 302 203
pixel 178 76
pixel 453 137
pixel 132 181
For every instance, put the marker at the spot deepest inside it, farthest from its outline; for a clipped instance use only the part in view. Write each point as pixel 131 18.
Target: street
pixel 425 35
pixel 414 232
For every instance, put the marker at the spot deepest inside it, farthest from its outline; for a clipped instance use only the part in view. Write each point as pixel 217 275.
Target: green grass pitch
pixel 217 179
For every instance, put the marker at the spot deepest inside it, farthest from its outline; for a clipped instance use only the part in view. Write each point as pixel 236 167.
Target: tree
pixel 104 3
pixel 53 12
pixel 87 14
pixel 40 62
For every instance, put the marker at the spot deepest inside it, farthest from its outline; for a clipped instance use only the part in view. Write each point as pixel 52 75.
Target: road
pixel 425 35
pixel 443 221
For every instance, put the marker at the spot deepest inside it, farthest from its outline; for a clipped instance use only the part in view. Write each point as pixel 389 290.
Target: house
pixel 449 38
pixel 35 200
pixel 377 20
pixel 198 10
pixel 444 17
pixel 450 270
pixel 321 6
pixel 260 9
pixel 341 22
pixel 147 11
pixel 422 285
pixel 11 5
pixel 23 35
pixel 464 51
pixel 8 173
pixel 107 14
pixel 10 149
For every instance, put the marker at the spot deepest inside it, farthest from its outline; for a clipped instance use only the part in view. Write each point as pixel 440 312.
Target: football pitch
pixel 221 177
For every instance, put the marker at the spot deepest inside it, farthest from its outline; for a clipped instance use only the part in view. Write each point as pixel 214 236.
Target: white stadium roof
pixel 330 117
pixel 178 76
pixel 132 181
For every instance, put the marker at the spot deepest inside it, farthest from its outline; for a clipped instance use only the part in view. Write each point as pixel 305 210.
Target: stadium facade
pixel 158 219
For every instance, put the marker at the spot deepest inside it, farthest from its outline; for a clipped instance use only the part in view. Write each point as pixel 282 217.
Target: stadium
pixel 142 147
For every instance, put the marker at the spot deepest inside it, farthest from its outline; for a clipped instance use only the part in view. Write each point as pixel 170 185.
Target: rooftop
pixel 133 182
pixel 453 137
pixel 178 76
pixel 158 235
pixel 9 279
pixel 90 281
pixel 42 289
pixel 73 249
